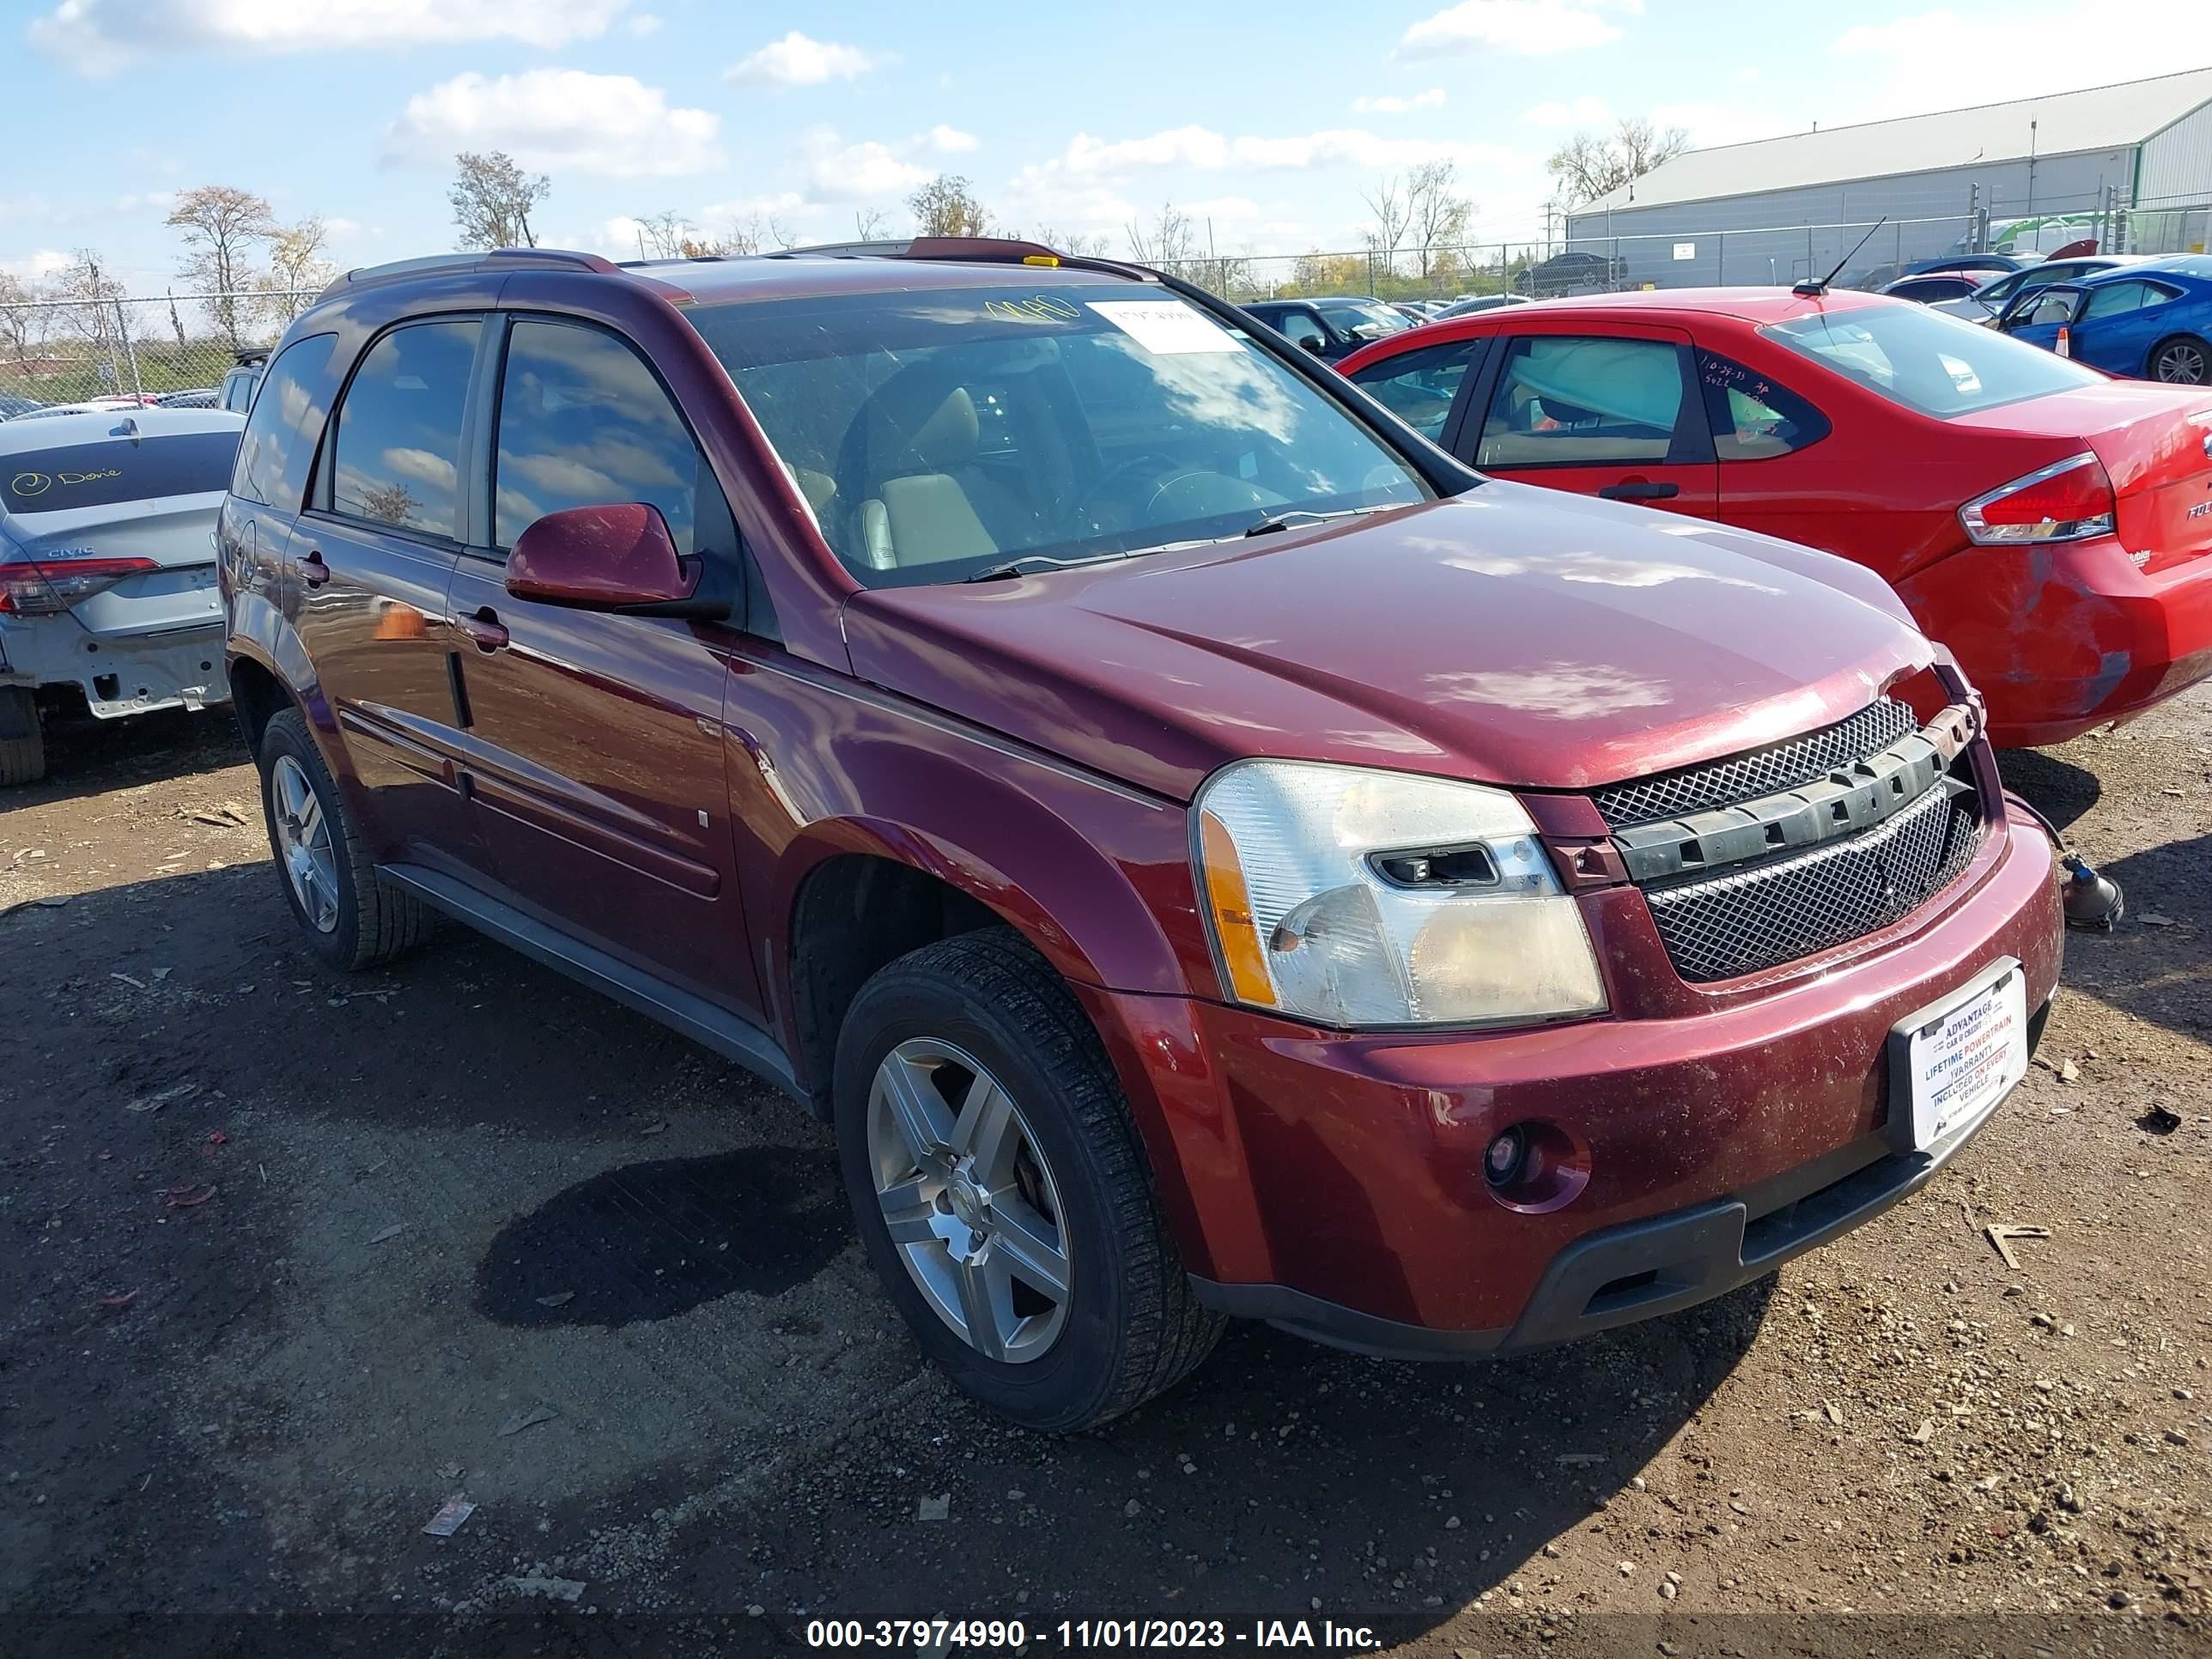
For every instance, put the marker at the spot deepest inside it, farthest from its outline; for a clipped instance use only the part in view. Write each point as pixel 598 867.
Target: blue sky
pixel 1269 120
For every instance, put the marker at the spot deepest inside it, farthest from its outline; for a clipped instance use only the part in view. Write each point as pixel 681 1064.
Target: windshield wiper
pixel 1297 518
pixel 1027 562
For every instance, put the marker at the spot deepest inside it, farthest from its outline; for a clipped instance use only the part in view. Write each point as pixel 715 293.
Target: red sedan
pixel 2050 524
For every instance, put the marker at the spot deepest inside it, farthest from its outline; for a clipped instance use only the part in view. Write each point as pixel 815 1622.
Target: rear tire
pixel 347 914
pixel 983 1237
pixel 2185 360
pixel 23 742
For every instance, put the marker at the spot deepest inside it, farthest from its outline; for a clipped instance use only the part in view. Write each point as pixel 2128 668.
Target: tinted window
pixel 1418 386
pixel 938 432
pixel 2110 299
pixel 1753 417
pixel 1563 400
pixel 583 422
pixel 114 469
pixel 280 435
pixel 1928 361
pixel 396 442
pixel 1298 326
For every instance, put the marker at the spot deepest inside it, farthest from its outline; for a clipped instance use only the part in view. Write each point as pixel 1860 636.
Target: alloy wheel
pixel 970 1201
pixel 303 844
pixel 2182 363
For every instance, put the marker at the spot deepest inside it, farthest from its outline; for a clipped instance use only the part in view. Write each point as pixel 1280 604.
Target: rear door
pixel 2121 320
pixel 595 746
pixel 1595 408
pixel 370 561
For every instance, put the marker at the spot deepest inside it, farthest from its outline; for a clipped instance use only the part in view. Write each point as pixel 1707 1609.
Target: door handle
pixel 1640 489
pixel 484 627
pixel 313 572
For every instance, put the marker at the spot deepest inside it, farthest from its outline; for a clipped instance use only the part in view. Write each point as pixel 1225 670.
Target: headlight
pixel 1361 898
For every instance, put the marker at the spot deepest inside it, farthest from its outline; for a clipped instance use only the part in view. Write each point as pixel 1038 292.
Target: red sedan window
pixel 1753 417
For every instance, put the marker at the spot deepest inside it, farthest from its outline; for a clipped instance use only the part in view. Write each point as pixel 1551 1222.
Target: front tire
pixel 2185 360
pixel 1000 1191
pixel 22 740
pixel 347 914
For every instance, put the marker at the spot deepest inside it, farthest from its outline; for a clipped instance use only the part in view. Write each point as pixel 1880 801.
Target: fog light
pixel 1501 1164
pixel 1535 1166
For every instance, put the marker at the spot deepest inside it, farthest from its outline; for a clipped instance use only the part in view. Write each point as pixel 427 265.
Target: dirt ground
pixel 290 1259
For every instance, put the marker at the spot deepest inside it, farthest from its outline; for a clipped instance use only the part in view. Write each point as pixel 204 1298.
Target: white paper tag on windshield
pixel 1166 327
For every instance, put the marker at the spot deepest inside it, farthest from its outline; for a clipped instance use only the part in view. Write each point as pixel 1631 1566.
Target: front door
pixel 595 747
pixel 365 583
pixel 1611 410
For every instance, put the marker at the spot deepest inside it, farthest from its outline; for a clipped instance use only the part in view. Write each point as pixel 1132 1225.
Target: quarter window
pixel 1418 386
pixel 397 450
pixel 583 422
pixel 1753 418
pixel 1567 400
pixel 280 433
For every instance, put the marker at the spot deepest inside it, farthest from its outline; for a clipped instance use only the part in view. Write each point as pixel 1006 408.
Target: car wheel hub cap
pixel 971 1206
pixel 303 844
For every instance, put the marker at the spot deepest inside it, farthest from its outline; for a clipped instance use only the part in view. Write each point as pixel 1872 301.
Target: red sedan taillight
pixel 2069 501
pixel 29 588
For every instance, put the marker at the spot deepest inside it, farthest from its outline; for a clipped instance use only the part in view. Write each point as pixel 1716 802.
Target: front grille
pixel 1778 766
pixel 1790 908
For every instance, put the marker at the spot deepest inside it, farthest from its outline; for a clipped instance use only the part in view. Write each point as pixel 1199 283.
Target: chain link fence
pixel 173 347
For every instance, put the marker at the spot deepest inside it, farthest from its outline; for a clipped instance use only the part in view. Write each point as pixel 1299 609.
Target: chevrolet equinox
pixel 1204 851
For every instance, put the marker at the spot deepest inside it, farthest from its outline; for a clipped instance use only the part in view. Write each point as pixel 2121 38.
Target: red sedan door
pixel 1597 408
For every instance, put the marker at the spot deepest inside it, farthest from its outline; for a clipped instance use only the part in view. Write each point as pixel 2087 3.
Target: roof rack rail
pixel 474 259
pixel 1005 250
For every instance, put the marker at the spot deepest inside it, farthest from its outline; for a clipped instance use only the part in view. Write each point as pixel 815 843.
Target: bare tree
pixel 871 224
pixel 738 238
pixel 1591 165
pixel 297 268
pixel 1388 202
pixel 1436 213
pixel 223 225
pixel 493 199
pixel 945 206
pixel 1169 239
pixel 662 236
pixel 91 315
pixel 24 326
pixel 1073 242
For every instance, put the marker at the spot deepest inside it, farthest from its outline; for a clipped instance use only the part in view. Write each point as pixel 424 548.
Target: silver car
pixel 1983 305
pixel 107 578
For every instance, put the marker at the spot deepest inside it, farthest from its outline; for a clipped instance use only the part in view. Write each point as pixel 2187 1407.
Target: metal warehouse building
pixel 2130 165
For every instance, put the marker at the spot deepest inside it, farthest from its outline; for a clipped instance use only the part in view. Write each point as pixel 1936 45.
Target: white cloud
pixel 1523 26
pixel 1583 112
pixel 799 60
pixel 870 171
pixel 614 125
pixel 644 22
pixel 35 267
pixel 2051 48
pixel 339 226
pixel 950 140
pixel 1391 104
pixel 98 36
pixel 1231 209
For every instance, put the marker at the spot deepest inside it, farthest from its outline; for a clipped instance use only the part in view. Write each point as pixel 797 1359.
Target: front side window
pixel 111 470
pixel 1928 361
pixel 583 422
pixel 1574 400
pixel 938 433
pixel 396 447
pixel 1418 386
pixel 1752 416
pixel 280 433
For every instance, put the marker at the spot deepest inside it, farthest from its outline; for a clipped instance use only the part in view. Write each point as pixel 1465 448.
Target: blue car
pixel 2151 321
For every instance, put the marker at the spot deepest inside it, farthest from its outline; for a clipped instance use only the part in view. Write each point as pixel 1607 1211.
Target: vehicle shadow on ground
pixel 2060 790
pixel 87 757
pixel 2153 965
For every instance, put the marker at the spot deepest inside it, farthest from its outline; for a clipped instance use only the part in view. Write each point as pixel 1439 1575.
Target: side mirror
pixel 617 558
pixel 1313 343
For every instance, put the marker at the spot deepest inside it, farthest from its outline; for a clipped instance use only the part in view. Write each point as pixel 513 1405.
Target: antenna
pixel 1814 290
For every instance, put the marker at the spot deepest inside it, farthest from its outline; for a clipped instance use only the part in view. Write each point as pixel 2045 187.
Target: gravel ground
pixel 291 1259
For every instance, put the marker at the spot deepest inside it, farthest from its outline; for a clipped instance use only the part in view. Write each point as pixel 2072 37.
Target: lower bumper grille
pixel 1790 908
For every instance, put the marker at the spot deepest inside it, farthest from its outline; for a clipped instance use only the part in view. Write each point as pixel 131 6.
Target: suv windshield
pixel 1937 364
pixel 940 433
pixel 1348 314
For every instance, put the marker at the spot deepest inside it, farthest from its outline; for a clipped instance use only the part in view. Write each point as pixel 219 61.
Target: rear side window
pixel 1418 386
pixel 583 422
pixel 1566 400
pixel 1753 417
pixel 396 450
pixel 113 470
pixel 2111 299
pixel 280 434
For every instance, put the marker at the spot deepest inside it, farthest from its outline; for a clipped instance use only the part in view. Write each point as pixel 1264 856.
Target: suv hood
pixel 1512 634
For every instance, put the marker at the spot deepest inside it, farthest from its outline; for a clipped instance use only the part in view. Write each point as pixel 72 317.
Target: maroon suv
pixel 1204 851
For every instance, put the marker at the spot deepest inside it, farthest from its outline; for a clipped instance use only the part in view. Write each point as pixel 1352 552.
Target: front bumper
pixel 118 675
pixel 2060 640
pixel 1333 1181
